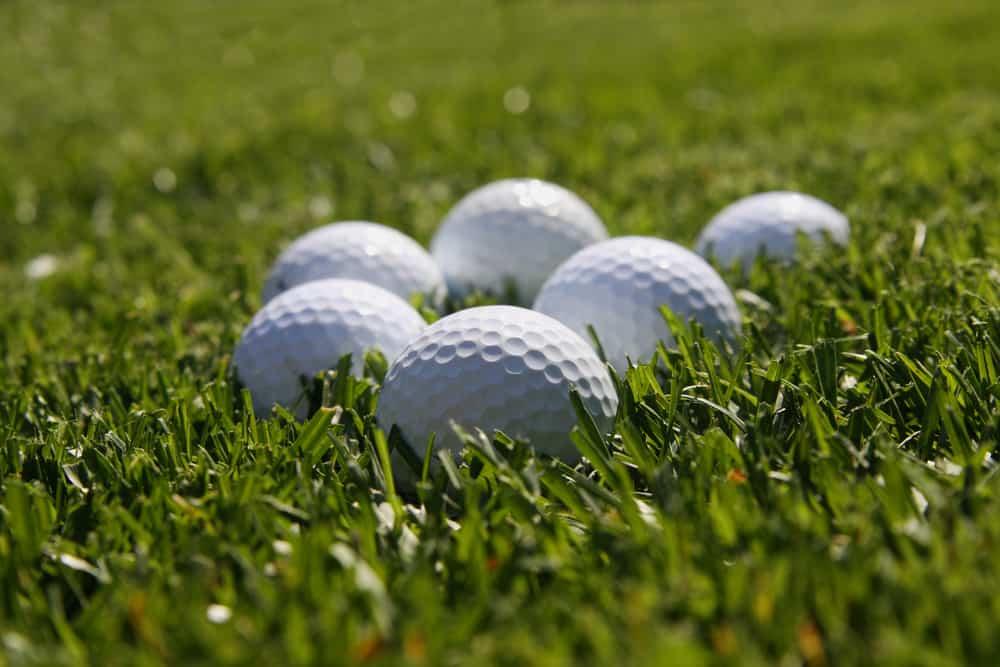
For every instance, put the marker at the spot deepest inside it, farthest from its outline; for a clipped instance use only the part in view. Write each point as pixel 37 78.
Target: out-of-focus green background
pixel 264 117
pixel 155 157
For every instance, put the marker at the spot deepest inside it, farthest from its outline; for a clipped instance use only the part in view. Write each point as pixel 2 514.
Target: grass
pixel 825 495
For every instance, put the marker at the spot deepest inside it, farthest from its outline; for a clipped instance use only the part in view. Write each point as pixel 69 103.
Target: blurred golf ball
pixel 512 233
pixel 617 287
pixel 769 223
pixel 495 367
pixel 358 251
pixel 307 329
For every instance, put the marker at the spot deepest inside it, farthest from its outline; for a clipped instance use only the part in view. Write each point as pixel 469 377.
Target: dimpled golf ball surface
pixel 769 223
pixel 495 368
pixel 618 286
pixel 307 329
pixel 512 232
pixel 358 251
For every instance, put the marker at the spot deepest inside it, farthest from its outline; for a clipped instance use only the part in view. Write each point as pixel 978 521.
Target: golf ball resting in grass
pixel 618 287
pixel 769 223
pixel 495 368
pixel 308 328
pixel 358 251
pixel 512 233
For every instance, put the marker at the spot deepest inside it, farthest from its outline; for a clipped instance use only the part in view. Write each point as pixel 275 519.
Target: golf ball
pixel 495 368
pixel 358 251
pixel 769 223
pixel 308 328
pixel 512 233
pixel 617 287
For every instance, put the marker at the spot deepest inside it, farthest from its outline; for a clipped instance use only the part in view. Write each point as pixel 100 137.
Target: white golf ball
pixel 512 232
pixel 308 328
pixel 364 251
pixel 618 286
pixel 769 223
pixel 495 368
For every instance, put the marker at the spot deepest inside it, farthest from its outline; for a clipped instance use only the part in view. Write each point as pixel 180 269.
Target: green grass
pixel 826 495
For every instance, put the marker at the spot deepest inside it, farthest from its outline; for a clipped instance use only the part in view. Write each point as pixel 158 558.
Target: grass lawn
pixel 826 494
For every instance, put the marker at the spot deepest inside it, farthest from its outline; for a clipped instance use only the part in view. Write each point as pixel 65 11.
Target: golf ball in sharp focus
pixel 495 368
pixel 769 223
pixel 308 328
pixel 358 251
pixel 618 286
pixel 514 231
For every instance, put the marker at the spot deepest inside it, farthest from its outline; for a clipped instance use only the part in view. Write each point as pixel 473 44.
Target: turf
pixel 824 494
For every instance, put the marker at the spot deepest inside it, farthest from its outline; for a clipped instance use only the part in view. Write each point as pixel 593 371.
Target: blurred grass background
pixel 257 117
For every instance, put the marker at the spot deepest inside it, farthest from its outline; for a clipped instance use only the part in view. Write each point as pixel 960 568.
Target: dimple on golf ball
pixel 495 368
pixel 307 329
pixel 769 223
pixel 617 287
pixel 358 250
pixel 512 232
